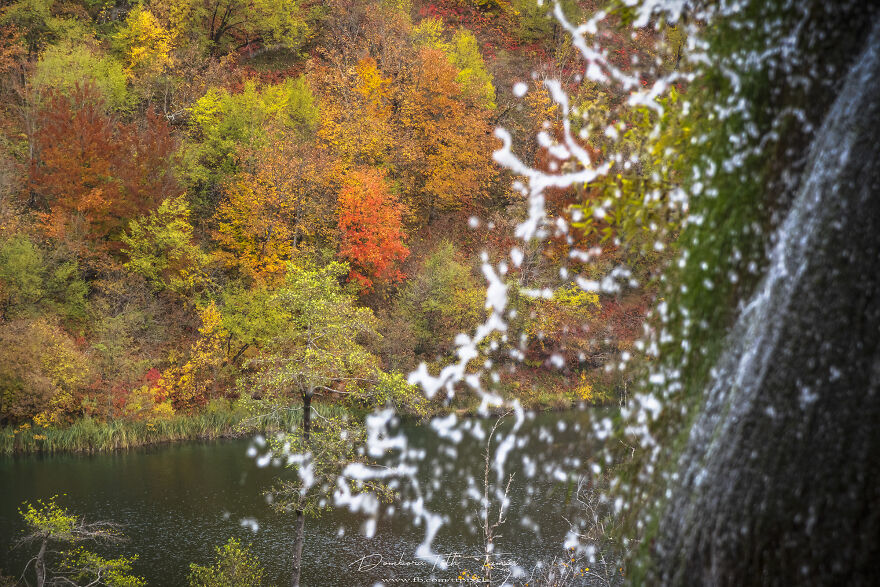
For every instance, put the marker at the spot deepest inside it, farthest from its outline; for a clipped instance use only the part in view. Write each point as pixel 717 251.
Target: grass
pixel 90 435
pixel 224 419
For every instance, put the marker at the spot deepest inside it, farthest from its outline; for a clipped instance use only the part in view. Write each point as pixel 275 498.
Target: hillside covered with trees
pixel 173 172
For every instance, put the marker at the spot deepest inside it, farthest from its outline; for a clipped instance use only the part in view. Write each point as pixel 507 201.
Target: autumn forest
pixel 182 181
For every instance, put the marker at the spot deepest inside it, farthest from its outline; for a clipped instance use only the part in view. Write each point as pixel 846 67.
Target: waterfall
pixel 779 483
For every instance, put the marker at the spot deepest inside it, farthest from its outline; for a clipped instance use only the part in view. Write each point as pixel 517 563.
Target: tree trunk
pixel 487 565
pixel 40 565
pixel 299 522
pixel 299 538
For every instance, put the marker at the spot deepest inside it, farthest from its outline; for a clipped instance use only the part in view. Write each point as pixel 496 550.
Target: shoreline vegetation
pixel 178 209
pixel 90 435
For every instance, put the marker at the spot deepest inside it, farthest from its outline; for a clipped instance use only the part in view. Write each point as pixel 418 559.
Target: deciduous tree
pixel 49 524
pixel 42 372
pixel 235 565
pixel 370 218
pixel 356 117
pixel 441 300
pixel 34 282
pixel 319 350
pixel 441 137
pixel 74 173
pixel 463 51
pixel 160 247
pixel 92 173
pixel 64 65
pixel 276 210
pixel 561 323
pixel 145 44
pixel 192 384
pixel 225 25
pixel 224 123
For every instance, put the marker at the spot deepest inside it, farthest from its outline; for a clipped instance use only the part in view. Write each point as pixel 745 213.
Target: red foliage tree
pixel 92 173
pixel 72 177
pixel 370 218
pixel 145 167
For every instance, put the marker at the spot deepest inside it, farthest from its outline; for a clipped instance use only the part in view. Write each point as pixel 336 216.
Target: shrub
pixel 235 566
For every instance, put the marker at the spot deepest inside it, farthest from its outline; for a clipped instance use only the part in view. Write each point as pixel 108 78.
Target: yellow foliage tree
pixel 148 403
pixel 569 306
pixel 191 385
pixel 561 325
pixel 356 116
pixel 253 232
pixel 145 43
pixel 271 212
pixel 42 372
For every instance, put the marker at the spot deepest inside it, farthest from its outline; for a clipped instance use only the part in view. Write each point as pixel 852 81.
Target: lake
pixel 176 502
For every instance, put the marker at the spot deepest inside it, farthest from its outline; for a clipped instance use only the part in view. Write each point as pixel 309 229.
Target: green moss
pixel 738 164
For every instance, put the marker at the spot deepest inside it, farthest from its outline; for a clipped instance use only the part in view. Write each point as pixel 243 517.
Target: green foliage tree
pixel 634 205
pixel 318 350
pixel 21 266
pixel 535 23
pixel 225 25
pixel 331 444
pixel 41 22
pixel 235 566
pixel 440 301
pixel 394 391
pixel 223 123
pixel 475 80
pixel 160 247
pixel 324 448
pixel 33 283
pixel 64 65
pixel 252 317
pixel 48 524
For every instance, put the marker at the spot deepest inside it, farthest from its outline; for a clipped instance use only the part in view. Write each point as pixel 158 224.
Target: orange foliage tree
pixel 274 210
pixel 411 116
pixel 445 142
pixel 73 176
pixel 370 218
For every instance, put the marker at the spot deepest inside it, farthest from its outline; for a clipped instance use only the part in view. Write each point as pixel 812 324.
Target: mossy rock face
pixel 776 484
pixel 776 69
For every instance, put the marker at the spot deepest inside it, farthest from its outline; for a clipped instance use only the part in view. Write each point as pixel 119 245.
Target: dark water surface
pixel 177 502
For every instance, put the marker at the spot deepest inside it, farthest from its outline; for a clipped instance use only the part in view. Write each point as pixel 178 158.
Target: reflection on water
pixel 177 502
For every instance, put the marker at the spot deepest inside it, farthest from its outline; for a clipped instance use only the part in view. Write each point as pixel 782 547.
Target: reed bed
pixel 91 435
